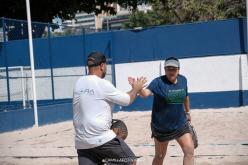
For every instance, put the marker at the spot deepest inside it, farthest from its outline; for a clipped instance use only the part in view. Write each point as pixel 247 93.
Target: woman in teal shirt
pixel 170 112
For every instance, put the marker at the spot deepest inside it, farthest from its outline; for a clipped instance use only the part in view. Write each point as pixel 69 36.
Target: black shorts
pixel 170 135
pixel 113 152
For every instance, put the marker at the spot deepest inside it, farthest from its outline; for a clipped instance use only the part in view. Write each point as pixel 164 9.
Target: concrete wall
pixel 64 80
pixel 216 75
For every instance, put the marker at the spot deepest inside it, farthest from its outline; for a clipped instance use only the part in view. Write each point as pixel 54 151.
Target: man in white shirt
pixel 93 98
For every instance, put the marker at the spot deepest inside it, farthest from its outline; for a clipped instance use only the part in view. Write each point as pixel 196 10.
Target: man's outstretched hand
pixel 131 80
pixel 137 84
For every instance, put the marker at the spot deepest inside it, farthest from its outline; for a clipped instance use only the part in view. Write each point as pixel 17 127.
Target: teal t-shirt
pixel 168 110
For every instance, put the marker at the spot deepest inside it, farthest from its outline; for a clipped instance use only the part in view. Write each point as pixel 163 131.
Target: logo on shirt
pixel 175 96
pixel 89 92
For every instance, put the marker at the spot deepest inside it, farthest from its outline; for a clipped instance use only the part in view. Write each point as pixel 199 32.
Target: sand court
pixel 222 134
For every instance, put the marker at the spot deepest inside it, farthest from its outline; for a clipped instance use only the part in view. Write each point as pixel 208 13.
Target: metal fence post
pixel 112 58
pixel 51 59
pixel 6 59
pixel 84 50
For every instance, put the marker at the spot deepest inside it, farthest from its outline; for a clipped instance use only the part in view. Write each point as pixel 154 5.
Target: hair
pixel 95 59
pixel 120 128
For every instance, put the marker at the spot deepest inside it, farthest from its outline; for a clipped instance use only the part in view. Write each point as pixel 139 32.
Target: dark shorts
pixel 170 135
pixel 113 152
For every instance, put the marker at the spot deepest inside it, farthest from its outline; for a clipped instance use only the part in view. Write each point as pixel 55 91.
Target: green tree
pixel 163 11
pixel 183 11
pixel 45 10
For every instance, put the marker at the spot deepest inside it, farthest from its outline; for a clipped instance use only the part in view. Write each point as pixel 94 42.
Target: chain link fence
pixel 53 84
pixel 14 29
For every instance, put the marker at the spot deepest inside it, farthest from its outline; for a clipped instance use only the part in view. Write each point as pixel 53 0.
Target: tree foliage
pixel 45 10
pixel 163 11
pixel 183 11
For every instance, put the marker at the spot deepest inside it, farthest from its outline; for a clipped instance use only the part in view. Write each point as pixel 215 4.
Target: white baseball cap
pixel 172 61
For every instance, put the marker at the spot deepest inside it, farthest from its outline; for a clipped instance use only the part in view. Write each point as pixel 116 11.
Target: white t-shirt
pixel 93 98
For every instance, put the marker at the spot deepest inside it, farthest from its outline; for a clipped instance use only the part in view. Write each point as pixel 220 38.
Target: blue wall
pixel 19 119
pixel 13 120
pixel 184 41
pixel 56 52
pixel 213 38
